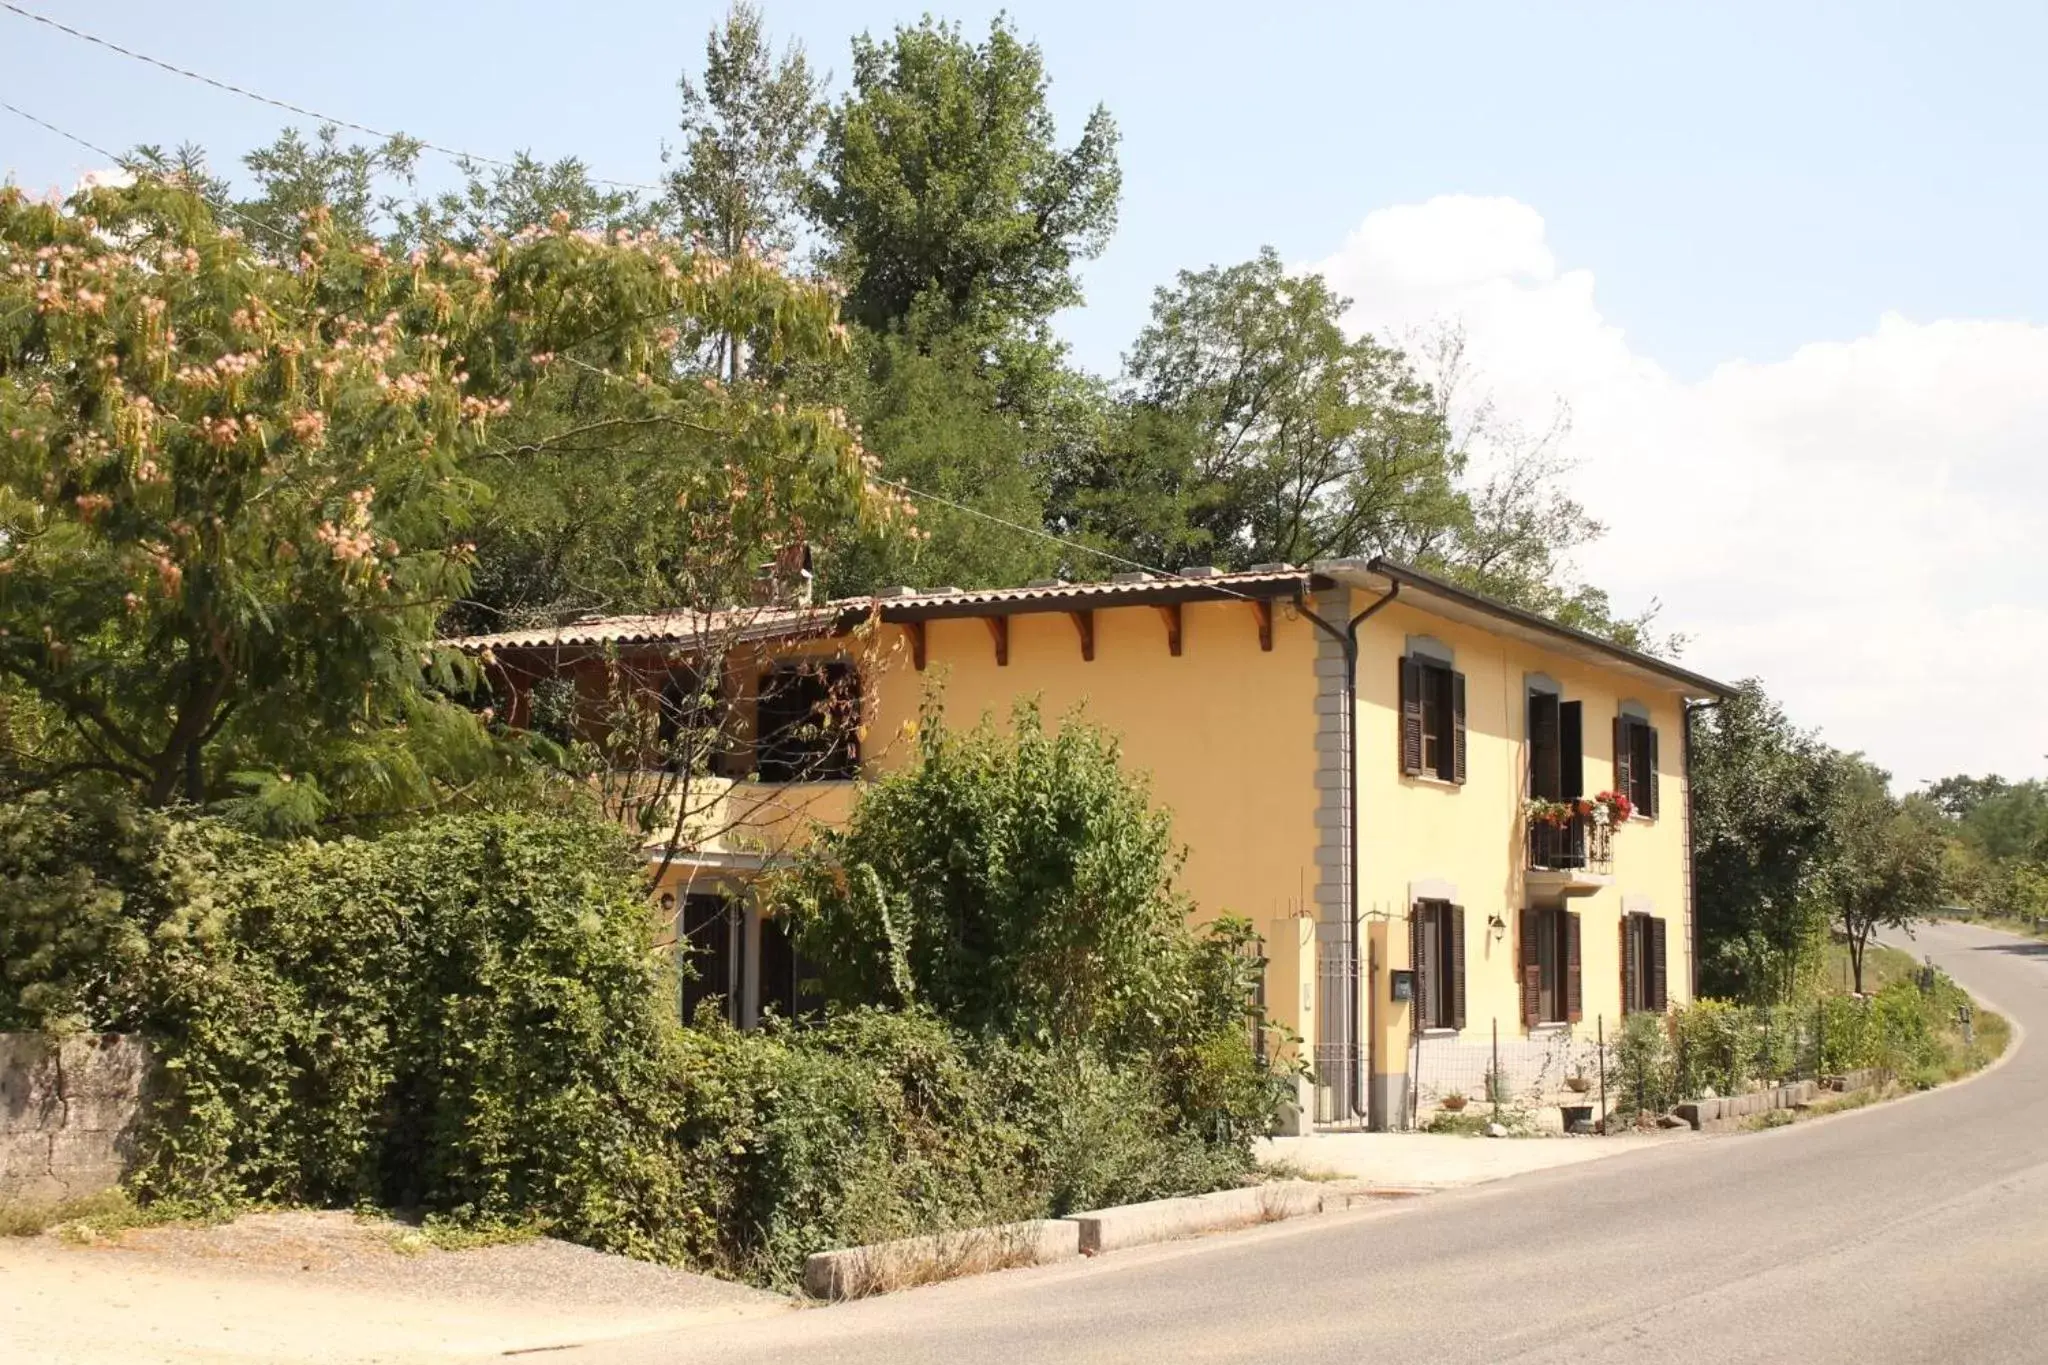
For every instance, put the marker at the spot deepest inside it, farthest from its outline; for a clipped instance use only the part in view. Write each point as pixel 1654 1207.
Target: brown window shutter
pixel 1657 1000
pixel 1650 778
pixel 1571 750
pixel 1574 994
pixel 1630 1000
pixel 1457 772
pixel 1457 937
pixel 1545 772
pixel 1622 740
pixel 1420 958
pixel 1411 716
pixel 1531 972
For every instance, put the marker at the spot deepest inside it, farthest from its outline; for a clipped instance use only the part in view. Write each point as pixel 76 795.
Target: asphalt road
pixel 1911 1231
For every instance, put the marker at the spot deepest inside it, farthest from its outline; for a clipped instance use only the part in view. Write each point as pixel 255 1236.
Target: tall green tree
pixel 1887 870
pixel 1765 804
pixel 750 128
pixel 235 483
pixel 944 190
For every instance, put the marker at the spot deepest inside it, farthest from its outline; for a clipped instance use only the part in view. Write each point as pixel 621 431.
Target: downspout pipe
pixel 1692 847
pixel 1347 639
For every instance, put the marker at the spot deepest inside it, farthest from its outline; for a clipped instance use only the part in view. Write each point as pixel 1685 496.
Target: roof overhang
pixel 1440 597
pixel 1158 591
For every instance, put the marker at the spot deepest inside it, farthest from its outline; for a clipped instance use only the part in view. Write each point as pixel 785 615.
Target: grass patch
pixel 30 1220
pixel 94 1217
pixel 1269 1171
pixel 1881 966
pixel 1473 1122
pixel 441 1234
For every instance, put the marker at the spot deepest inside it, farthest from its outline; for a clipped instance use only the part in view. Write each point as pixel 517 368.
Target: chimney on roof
pixel 785 581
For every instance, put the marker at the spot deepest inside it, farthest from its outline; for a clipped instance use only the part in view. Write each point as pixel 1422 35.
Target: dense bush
pixel 1016 883
pixel 467 1017
pixel 1906 1029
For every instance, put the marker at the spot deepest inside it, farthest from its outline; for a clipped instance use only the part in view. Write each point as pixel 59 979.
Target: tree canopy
pixel 235 475
pixel 942 185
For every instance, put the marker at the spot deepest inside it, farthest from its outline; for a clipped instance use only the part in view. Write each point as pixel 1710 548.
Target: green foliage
pixel 1021 879
pixel 234 478
pixel 465 1018
pixel 874 1126
pixel 1764 810
pixel 1644 1072
pixel 943 189
pixel 1279 436
pixel 1888 864
pixel 938 419
pixel 749 126
pixel 1910 1029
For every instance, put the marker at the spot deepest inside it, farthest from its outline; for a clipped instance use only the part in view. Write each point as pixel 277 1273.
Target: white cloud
pixel 1863 524
pixel 111 177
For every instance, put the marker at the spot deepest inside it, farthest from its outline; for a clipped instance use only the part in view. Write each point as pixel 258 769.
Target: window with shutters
pixel 1438 957
pixel 1643 971
pixel 1635 763
pixel 1551 990
pixel 1432 719
pixel 808 716
pixel 690 723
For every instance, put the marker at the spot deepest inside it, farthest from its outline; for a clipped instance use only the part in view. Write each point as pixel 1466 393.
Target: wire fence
pixel 1495 1067
pixel 1603 1068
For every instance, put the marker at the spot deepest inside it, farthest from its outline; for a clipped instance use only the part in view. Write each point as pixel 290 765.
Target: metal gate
pixel 1340 1099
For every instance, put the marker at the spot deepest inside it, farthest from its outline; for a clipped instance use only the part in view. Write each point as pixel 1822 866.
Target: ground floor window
pixel 1438 956
pixel 788 985
pixel 741 962
pixel 1550 967
pixel 1642 963
pixel 711 934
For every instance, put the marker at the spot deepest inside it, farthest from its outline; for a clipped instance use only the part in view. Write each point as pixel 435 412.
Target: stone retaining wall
pixel 1727 1108
pixel 68 1113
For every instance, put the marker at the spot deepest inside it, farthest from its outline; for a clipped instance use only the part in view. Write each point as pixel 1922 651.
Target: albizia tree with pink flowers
pixel 236 474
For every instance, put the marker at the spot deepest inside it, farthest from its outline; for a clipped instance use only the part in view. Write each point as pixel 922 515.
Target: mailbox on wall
pixel 1403 983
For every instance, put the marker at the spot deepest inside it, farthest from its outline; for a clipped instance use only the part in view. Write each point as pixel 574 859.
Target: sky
pixel 1780 264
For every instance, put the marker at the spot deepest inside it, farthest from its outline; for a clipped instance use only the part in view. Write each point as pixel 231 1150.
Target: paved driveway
pixel 1914 1231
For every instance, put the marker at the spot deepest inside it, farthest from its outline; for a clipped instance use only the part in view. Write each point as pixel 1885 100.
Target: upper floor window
pixel 1635 762
pixel 1557 748
pixel 808 719
pixel 1432 719
pixel 689 732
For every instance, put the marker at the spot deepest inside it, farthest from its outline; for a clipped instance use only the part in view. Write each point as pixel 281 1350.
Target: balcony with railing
pixel 1571 850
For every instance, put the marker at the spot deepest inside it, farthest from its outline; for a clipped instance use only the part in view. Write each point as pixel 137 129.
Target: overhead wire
pixel 126 164
pixel 285 105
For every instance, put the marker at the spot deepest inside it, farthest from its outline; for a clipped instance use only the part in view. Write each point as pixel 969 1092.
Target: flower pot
pixel 1452 1103
pixel 1578 1085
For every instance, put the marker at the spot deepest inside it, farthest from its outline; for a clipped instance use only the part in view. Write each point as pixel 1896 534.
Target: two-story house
pixel 1392 777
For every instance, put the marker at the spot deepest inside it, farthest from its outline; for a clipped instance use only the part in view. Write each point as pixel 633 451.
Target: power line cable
pixel 286 105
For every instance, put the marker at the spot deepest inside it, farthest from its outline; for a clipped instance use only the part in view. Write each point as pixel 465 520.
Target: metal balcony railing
pixel 1580 843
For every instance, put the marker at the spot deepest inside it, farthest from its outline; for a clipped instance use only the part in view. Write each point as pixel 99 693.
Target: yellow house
pixel 1460 828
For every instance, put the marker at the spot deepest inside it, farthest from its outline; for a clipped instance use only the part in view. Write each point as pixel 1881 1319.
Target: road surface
pixel 1912 1231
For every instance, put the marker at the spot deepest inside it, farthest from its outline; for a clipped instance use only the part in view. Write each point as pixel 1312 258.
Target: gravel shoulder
pixel 332 1287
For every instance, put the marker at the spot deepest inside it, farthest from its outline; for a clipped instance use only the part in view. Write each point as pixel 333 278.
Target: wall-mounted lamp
pixel 1496 926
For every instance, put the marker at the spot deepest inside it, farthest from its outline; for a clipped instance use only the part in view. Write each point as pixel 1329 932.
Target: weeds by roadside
pixel 95 1217
pixel 435 1233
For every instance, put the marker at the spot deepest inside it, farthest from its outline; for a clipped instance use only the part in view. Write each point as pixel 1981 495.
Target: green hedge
pixel 1664 1059
pixel 467 1018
